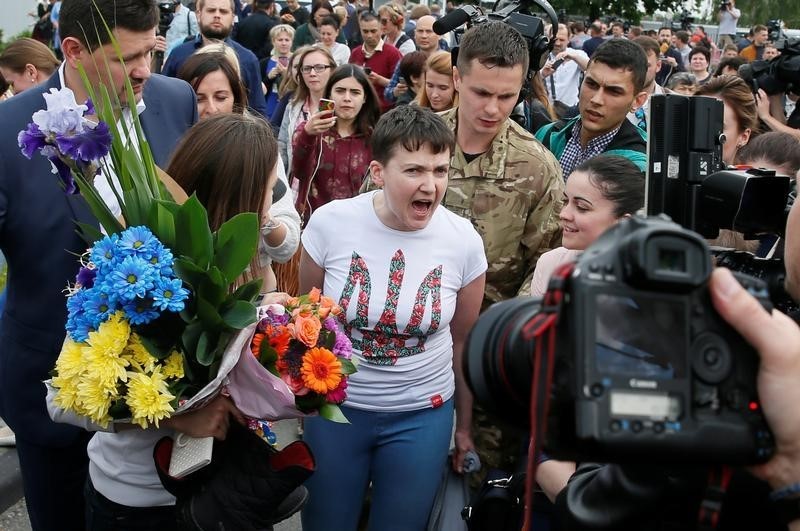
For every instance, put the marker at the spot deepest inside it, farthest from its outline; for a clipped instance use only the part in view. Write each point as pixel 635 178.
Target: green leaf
pixel 327 339
pixel 191 335
pixel 208 314
pixel 192 235
pixel 333 413
pixel 213 287
pixel 203 353
pixel 236 244
pixel 240 315
pixel 248 291
pixel 189 272
pixel 348 367
pixel 162 222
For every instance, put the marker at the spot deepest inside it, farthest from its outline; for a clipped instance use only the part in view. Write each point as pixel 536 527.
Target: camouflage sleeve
pixel 542 228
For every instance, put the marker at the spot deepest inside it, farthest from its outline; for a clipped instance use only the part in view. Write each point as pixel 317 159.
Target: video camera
pixel 682 21
pixel 517 14
pixel 644 369
pixel 724 5
pixel 775 76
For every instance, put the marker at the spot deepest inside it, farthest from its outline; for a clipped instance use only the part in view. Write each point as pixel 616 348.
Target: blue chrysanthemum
pixel 170 295
pixel 162 258
pixel 77 324
pixel 98 307
pixel 132 278
pixel 138 241
pixel 140 311
pixel 104 254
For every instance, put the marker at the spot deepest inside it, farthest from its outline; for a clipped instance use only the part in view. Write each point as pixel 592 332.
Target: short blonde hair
pixel 224 49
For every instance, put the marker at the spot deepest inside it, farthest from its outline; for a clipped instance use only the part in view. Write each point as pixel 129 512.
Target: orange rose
pixel 306 329
pixel 314 294
pixel 323 312
pixel 326 302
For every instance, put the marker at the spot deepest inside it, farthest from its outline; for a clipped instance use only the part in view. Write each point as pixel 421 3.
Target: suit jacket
pixel 39 240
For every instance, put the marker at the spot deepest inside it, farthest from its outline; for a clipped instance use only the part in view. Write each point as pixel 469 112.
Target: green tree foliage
pixel 627 9
pixel 760 11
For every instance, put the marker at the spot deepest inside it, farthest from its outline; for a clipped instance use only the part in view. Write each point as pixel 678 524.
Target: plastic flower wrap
pixel 304 346
pixel 104 371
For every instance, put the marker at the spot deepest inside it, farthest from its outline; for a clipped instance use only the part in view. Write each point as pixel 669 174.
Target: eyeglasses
pixel 316 68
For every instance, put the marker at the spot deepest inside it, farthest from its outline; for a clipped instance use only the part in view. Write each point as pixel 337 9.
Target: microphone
pixel 454 19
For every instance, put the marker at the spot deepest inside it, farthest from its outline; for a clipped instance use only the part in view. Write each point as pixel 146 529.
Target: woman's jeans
pixel 402 454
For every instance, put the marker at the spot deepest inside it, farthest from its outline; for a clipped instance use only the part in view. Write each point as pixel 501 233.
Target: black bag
pixel 498 504
pixel 249 485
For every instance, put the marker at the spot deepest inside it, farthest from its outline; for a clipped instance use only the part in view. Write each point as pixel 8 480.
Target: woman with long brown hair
pixel 230 162
pixel 438 91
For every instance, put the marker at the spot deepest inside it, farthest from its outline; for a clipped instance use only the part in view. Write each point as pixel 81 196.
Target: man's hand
pixel 161 44
pixel 777 339
pixel 288 18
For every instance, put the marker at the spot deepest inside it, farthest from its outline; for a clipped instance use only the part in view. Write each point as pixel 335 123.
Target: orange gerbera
pixel 255 344
pixel 321 370
pixel 279 339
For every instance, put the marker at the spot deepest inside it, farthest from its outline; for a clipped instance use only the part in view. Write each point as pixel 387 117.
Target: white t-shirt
pixel 398 290
pixel 565 81
pixel 727 21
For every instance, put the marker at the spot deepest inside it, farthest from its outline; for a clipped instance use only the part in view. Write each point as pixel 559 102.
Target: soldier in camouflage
pixel 508 185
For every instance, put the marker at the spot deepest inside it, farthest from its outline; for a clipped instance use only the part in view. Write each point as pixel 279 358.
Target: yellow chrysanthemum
pixel 70 361
pixel 148 398
pixel 67 394
pixel 138 355
pixel 106 370
pixel 173 365
pixel 94 399
pixel 111 336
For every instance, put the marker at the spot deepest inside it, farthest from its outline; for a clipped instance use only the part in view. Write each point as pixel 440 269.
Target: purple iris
pixel 91 144
pixel 31 139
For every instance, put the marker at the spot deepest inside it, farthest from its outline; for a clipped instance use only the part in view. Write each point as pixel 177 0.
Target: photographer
pixel 770 111
pixel 651 497
pixel 727 16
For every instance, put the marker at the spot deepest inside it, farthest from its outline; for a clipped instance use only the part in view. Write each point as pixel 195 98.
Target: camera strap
pixel 718 480
pixel 541 331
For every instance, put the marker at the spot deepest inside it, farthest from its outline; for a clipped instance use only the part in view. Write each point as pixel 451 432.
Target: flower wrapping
pixel 296 363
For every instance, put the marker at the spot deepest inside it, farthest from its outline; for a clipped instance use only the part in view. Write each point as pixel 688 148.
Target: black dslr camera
pixel 645 369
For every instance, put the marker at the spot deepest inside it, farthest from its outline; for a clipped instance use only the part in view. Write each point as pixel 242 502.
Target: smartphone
pixel 557 63
pixel 326 105
pixel 284 61
pixel 367 70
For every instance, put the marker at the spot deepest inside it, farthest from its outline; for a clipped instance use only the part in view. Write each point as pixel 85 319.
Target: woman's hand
pixel 463 443
pixel 211 420
pixel 320 122
pixel 276 297
pixel 762 104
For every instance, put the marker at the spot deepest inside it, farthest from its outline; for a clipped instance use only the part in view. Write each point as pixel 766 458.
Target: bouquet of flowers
pixel 304 346
pixel 156 304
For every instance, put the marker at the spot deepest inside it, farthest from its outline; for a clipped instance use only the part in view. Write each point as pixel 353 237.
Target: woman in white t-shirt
pixel 410 278
pixel 599 193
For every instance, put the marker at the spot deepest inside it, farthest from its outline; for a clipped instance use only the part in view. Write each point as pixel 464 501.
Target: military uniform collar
pixel 491 164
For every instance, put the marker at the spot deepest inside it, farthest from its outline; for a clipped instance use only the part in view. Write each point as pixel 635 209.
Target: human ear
pixel 72 50
pixel 376 172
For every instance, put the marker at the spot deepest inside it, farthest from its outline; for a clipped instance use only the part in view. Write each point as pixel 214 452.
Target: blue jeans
pixel 400 453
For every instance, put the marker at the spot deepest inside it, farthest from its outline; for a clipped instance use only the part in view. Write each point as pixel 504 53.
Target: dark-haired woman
pixel 331 151
pixel 214 76
pixel 308 33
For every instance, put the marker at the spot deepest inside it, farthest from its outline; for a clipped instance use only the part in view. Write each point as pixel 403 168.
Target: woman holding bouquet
pixel 409 277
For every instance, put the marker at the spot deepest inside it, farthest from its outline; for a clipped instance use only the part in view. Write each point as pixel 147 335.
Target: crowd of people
pixel 415 187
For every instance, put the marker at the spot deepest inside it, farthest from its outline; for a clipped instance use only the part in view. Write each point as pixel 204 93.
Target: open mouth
pixel 422 207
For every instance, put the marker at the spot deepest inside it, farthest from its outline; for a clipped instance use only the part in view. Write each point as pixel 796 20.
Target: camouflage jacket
pixel 512 193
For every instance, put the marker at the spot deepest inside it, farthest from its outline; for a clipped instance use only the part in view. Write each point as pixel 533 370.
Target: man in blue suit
pixel 39 240
pixel 215 18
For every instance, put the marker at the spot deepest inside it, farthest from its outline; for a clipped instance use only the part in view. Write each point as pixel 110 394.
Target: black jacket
pixel 647 497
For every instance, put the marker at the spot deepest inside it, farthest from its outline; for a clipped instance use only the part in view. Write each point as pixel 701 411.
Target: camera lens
pixel 498 361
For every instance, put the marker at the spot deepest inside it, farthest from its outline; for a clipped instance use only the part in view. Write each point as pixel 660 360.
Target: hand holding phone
pixel 326 105
pixel 367 70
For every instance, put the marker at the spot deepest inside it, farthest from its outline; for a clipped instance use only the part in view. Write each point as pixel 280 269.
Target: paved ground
pixel 15 517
